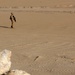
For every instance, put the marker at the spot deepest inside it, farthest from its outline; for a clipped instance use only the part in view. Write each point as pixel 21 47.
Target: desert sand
pixel 50 3
pixel 42 43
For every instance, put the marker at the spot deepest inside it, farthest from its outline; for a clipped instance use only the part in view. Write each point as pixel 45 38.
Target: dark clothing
pixel 13 19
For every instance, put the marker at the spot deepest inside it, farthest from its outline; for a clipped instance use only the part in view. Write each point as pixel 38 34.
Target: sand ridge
pixel 39 9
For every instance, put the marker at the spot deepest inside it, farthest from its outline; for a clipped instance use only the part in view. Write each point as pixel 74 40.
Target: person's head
pixel 11 13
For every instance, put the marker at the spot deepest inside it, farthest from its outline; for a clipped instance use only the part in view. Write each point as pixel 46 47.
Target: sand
pixel 50 3
pixel 42 43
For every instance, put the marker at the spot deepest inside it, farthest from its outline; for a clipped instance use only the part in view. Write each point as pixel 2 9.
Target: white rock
pixel 5 62
pixel 18 72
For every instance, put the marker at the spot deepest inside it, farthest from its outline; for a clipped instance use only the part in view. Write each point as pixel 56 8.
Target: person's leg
pixel 11 24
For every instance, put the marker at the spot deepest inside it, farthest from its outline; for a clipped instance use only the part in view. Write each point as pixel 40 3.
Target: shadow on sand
pixel 4 27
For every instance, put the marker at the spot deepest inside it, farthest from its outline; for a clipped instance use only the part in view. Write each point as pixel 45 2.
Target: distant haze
pixel 36 2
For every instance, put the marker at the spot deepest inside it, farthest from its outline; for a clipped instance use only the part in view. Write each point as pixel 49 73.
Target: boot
pixel 11 26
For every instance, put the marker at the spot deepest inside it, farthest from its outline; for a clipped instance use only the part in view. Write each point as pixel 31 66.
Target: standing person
pixel 13 19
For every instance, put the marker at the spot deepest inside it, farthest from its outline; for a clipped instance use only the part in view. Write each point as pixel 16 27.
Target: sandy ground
pixel 42 43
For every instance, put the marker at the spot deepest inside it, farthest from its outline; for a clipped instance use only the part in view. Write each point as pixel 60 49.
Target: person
pixel 13 19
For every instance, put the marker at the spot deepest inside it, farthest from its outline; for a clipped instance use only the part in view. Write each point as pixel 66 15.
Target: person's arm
pixel 10 18
pixel 14 18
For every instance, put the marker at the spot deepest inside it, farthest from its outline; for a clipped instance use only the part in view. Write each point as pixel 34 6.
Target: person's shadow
pixel 4 27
